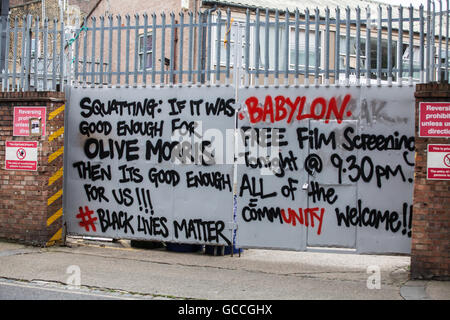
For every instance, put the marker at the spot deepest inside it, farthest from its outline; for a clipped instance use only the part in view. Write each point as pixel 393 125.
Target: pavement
pixel 92 269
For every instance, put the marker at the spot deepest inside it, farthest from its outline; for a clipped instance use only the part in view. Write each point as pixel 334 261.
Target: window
pixel 406 62
pixel 313 52
pixel 441 73
pixel 373 56
pixel 148 46
pixel 228 34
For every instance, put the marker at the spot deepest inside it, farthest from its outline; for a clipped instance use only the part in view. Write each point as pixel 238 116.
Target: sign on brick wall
pixel 22 116
pixel 21 155
pixel 438 162
pixel 434 119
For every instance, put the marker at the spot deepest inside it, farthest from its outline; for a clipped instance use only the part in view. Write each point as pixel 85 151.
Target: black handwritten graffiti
pixel 220 107
pixel 127 149
pixel 365 170
pixel 198 229
pixel 216 180
pixel 251 213
pixel 123 196
pixel 101 127
pixel 185 152
pixel 95 193
pixel 131 210
pixel 254 188
pixel 320 193
pixel 92 172
pixel 115 220
pixel 301 216
pixel 143 108
pixel 368 217
pixel 313 164
pixel 314 139
pixel 289 189
pixel 279 165
pixel 264 137
pixel 130 174
pixel 149 129
pixel 153 226
pixel 184 127
pixel 169 177
pixel 376 141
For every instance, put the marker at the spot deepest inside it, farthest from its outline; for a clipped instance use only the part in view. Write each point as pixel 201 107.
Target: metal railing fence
pixel 359 46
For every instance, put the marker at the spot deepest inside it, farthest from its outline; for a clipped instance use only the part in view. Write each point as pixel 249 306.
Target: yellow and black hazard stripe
pixel 55 180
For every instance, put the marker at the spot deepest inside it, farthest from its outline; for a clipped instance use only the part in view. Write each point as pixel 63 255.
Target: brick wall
pixel 31 201
pixel 430 252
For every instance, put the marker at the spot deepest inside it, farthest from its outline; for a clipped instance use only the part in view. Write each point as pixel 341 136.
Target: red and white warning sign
pixel 22 116
pixel 21 155
pixel 434 119
pixel 438 162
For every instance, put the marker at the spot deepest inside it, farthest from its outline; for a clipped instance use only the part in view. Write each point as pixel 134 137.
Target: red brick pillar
pixel 430 252
pixel 31 201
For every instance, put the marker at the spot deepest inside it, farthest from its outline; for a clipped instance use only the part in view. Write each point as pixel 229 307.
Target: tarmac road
pixel 114 270
pixel 16 290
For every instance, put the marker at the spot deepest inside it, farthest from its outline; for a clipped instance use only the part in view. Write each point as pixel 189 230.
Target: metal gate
pixel 338 97
pixel 342 180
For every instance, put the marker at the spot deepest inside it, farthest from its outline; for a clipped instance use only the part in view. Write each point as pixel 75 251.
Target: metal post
pixel 94 31
pixel 316 45
pixel 277 47
pixel 286 49
pixel 368 55
pixel 110 50
pixel 307 18
pixel 347 46
pixel 266 49
pixel 136 51
pixel 358 46
pixel 144 54
pixel 440 41
pixel 127 52
pixel 172 48
pixel 411 45
pixel 389 46
pixel 337 47
pixel 400 47
pixel 218 45
pixel 45 47
pixel 327 46
pixel 227 79
pixel 181 47
pixel 379 66
pixel 256 48
pixel 247 48
pixel 191 45
pixel 119 46
pixel 36 50
pixel 102 40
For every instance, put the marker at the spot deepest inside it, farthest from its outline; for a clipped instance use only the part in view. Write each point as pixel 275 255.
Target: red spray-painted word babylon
pixel 286 109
